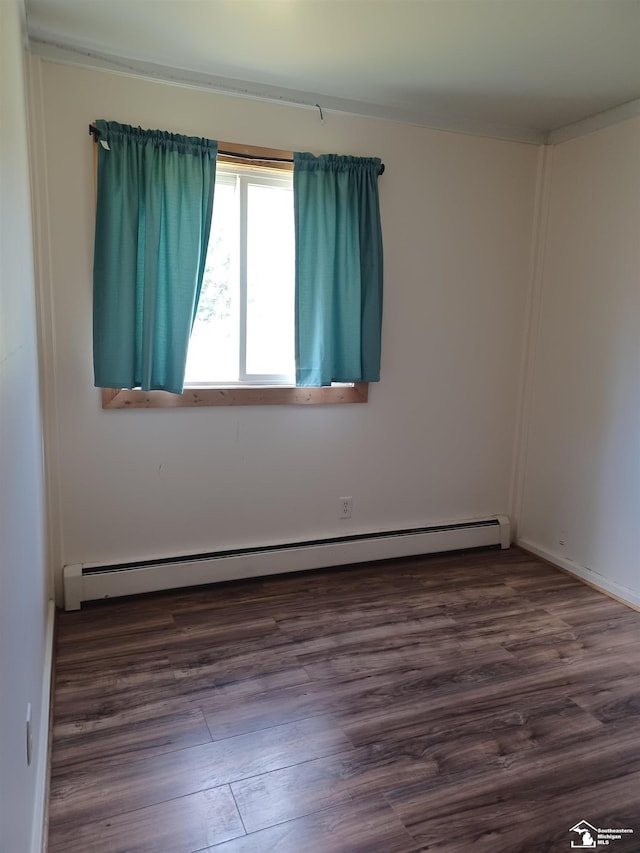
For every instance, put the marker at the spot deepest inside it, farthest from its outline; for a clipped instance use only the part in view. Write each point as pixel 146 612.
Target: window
pixel 244 332
pixel 279 318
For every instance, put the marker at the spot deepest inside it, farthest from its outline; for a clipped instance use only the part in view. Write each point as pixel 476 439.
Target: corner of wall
pixel 540 220
pixel 45 315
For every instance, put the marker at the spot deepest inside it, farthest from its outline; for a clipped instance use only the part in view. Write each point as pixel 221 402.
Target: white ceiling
pixel 510 68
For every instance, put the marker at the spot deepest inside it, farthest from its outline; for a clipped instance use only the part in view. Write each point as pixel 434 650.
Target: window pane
pixel 213 348
pixel 270 280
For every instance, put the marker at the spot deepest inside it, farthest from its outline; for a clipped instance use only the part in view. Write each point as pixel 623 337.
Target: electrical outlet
pixel 345 507
pixel 29 734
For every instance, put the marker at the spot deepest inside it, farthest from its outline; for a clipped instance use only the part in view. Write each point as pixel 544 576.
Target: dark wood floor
pixel 468 702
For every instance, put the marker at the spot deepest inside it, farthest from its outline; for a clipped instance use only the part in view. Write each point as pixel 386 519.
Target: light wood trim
pixel 254 151
pixel 114 398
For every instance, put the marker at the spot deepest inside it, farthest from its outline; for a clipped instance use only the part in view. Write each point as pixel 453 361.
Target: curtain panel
pixel 153 217
pixel 339 269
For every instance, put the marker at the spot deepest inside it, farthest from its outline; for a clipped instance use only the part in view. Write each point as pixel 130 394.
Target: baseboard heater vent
pixel 89 582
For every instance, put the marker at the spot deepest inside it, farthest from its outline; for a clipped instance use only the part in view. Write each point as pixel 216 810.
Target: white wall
pixel 435 441
pixel 23 585
pixel 581 496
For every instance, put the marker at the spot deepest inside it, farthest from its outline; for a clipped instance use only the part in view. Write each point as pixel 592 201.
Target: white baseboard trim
pixel 92 582
pixel 609 587
pixel 42 740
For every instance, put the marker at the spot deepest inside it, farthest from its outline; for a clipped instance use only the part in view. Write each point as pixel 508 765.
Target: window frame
pixel 204 396
pixel 242 178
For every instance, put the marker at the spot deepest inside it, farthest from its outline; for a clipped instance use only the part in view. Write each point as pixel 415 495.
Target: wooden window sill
pixel 116 398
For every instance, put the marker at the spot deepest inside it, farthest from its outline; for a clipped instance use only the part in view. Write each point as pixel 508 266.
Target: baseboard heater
pixel 89 582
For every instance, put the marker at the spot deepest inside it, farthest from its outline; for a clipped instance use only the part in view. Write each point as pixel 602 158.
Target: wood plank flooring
pixel 481 701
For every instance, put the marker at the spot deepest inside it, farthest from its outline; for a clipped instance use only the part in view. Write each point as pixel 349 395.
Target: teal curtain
pixel 338 269
pixel 153 215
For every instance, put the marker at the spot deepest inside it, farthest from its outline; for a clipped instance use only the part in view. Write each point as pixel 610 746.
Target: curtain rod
pixel 93 131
